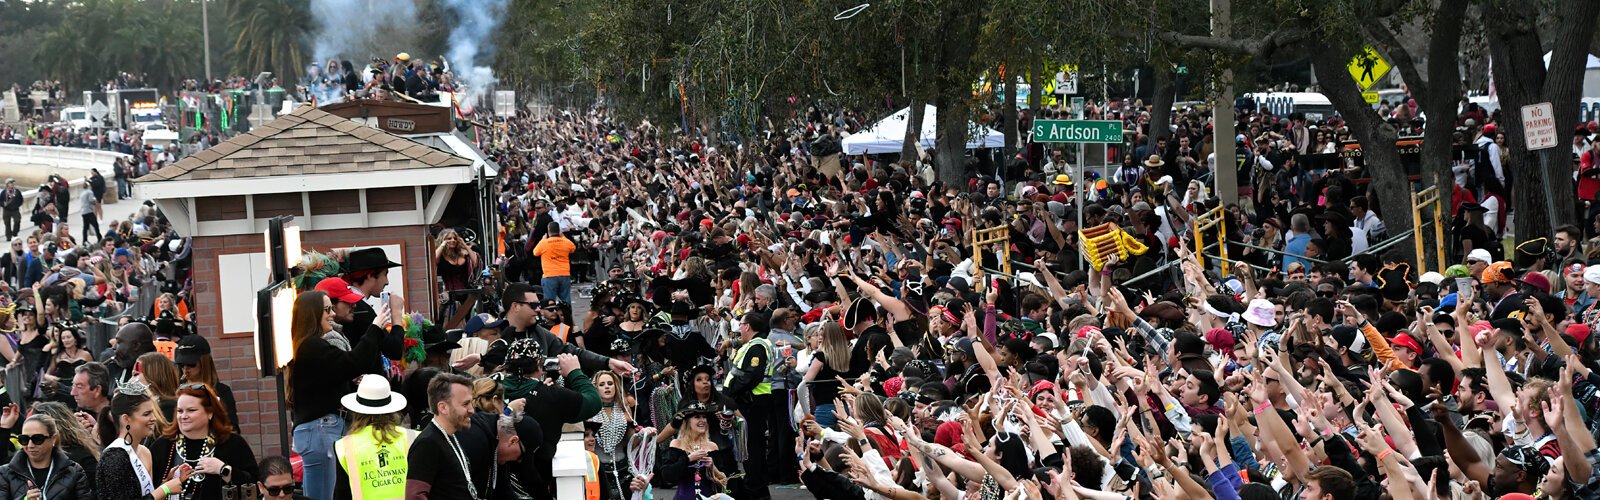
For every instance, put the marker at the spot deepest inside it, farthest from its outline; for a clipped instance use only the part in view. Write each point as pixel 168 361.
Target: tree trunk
pixel 1439 104
pixel 950 141
pixel 912 149
pixel 1036 78
pixel 1377 139
pixel 1008 116
pixel 952 86
pixel 1520 80
pixel 1162 95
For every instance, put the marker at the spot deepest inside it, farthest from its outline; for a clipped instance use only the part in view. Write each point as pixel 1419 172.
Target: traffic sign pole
pixel 1539 133
pixel 1224 171
pixel 1077 205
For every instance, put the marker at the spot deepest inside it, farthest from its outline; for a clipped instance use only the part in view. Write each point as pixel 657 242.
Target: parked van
pixel 1314 105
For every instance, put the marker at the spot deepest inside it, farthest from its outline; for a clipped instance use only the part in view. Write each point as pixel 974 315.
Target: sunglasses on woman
pixel 37 439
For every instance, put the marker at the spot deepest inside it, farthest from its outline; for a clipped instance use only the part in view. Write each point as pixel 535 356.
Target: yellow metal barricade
pixel 998 234
pixel 1427 198
pixel 1215 218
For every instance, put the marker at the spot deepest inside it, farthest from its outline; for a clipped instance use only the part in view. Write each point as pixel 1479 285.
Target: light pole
pixel 1225 174
pixel 205 38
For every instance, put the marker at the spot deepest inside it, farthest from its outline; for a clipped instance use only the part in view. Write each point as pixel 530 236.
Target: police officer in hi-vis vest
pixel 749 383
pixel 372 456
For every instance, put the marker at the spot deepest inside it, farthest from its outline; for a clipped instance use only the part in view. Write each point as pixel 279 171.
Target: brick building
pixel 347 184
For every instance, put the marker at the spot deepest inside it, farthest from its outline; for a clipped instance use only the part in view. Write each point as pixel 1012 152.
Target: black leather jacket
pixel 66 480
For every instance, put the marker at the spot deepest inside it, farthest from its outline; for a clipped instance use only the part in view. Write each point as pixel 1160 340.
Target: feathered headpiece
pixel 314 266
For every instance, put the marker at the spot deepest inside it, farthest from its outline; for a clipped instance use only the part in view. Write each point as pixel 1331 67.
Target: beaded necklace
pixel 613 427
pixel 180 452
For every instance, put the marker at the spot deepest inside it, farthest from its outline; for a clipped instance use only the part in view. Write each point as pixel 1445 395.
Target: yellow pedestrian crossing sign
pixel 1367 68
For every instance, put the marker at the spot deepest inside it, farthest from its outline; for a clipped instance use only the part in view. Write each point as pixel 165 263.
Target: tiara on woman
pixel 133 387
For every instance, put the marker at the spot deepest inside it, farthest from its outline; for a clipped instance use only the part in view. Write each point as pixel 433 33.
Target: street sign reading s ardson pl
pixel 1078 131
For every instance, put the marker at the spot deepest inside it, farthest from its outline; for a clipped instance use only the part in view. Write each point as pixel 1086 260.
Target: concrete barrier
pixel 60 157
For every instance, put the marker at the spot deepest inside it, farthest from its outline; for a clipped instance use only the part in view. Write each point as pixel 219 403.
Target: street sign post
pixel 1066 81
pixel 1367 68
pixel 1539 126
pixel 1539 132
pixel 1078 131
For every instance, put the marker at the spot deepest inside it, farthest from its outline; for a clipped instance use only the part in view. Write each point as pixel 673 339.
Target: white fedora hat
pixel 373 397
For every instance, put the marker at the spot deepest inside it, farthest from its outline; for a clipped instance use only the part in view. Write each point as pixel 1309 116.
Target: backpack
pixel 1483 170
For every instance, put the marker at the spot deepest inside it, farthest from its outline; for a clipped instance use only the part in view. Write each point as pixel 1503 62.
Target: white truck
pixel 78 118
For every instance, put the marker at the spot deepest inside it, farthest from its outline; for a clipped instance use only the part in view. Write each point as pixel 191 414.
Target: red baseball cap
pixel 339 289
pixel 1405 340
pixel 1537 280
pixel 1579 332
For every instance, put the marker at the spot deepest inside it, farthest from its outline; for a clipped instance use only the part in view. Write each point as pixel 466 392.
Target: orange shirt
pixel 553 253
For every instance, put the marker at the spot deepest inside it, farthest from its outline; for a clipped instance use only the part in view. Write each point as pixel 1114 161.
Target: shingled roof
pixel 307 141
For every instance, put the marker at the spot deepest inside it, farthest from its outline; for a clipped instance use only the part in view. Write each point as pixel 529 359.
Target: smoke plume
pixel 472 45
pixel 355 28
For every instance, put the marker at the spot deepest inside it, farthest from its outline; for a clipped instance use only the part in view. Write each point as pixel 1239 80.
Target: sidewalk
pixel 114 211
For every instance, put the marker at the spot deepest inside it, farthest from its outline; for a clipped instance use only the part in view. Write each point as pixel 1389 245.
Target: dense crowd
pixel 774 300
pixel 772 312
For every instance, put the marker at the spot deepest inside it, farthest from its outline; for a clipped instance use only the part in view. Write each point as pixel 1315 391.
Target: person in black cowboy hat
pixel 366 273
pixel 700 388
pixel 686 344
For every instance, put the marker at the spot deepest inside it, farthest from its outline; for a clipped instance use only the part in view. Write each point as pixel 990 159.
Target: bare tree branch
pixel 1246 46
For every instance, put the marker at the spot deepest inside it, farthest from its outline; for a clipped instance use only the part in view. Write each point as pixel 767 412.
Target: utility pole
pixel 205 34
pixel 1226 165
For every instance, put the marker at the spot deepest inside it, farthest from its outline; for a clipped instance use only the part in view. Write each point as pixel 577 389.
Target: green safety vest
pixel 377 471
pixel 765 387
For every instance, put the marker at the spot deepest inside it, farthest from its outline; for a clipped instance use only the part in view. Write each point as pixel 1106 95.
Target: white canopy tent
pixel 889 134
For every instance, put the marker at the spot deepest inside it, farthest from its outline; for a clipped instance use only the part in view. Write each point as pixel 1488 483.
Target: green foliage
pixel 22 25
pixel 268 35
pixel 96 39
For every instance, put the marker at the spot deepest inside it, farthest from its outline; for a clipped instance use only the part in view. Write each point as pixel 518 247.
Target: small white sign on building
pixel 1539 126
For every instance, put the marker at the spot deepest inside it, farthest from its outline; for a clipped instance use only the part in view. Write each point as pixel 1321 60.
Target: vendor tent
pixel 1591 76
pixel 889 134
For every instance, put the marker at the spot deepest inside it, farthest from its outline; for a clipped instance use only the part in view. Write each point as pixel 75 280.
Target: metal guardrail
pixel 100 332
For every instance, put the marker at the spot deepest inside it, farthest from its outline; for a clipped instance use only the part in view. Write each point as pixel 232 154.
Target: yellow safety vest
pixel 377 471
pixel 591 479
pixel 765 387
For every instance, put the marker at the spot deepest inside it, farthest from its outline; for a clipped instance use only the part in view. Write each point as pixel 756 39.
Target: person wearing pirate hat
pixel 700 389
pixel 693 460
pixel 685 344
